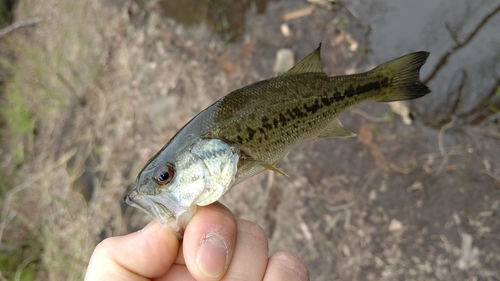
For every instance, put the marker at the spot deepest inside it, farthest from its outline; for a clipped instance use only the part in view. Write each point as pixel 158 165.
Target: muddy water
pixel 226 17
pixel 439 26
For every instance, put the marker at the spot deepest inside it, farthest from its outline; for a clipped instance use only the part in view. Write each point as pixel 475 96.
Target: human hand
pixel 215 247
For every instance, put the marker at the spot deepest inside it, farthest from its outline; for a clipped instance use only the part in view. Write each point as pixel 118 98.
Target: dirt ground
pixel 399 202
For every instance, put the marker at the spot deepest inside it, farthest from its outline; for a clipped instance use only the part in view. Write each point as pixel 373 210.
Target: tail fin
pixel 403 74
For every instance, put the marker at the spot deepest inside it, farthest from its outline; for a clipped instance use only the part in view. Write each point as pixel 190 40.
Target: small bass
pixel 253 128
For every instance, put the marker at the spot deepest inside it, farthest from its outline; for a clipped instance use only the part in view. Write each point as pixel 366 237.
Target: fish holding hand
pixel 251 129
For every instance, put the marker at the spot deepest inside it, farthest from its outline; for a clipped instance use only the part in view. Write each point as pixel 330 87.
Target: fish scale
pixel 253 128
pixel 299 114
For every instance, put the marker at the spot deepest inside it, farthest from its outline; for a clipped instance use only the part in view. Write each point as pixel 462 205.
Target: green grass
pixel 492 107
pixel 20 261
pixel 16 116
pixel 97 149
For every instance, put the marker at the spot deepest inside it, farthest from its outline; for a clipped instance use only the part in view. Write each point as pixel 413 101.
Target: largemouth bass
pixel 253 128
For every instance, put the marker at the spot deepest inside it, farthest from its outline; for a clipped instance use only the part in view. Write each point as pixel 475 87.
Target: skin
pixel 215 247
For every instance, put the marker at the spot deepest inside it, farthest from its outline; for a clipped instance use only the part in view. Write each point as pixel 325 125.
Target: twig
pixel 476 112
pixel 368 116
pixel 342 207
pixel 402 170
pixel 459 91
pixel 18 24
pixel 458 46
pixel 444 152
pixel 441 135
pixel 368 181
pixel 491 174
pixel 70 87
pixel 352 11
pixel 347 222
pixel 453 35
pixel 269 185
pixel 288 16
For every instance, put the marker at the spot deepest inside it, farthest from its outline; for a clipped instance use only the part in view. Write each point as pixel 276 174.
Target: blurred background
pixel 90 89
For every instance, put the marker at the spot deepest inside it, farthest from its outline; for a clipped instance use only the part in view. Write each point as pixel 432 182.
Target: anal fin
pixel 335 130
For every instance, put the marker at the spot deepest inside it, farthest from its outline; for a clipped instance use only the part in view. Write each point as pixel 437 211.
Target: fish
pixel 252 128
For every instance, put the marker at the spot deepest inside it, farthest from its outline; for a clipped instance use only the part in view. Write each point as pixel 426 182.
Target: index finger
pixel 145 254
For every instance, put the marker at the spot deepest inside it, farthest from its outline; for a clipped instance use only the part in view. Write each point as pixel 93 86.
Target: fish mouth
pixel 163 209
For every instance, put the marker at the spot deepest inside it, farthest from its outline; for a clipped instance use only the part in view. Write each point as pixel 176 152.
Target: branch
pixel 454 107
pixel 458 46
pixel 452 33
pixel 481 111
pixel 18 24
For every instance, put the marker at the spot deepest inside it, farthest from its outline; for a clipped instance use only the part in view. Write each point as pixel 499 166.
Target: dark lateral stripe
pixel 313 108
pixel 372 86
pixel 283 120
pixel 266 124
pixel 251 133
pixel 298 113
pixel 305 110
pixel 327 101
pixel 349 92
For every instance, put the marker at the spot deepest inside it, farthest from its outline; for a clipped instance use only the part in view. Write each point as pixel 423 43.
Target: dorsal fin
pixel 335 130
pixel 310 64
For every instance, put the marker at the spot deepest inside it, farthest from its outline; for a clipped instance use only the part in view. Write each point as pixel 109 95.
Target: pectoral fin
pixel 273 168
pixel 266 166
pixel 336 130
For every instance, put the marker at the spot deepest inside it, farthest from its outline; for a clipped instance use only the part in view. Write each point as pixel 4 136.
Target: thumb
pixel 148 253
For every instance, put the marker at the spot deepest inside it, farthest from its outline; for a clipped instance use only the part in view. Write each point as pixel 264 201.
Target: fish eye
pixel 163 174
